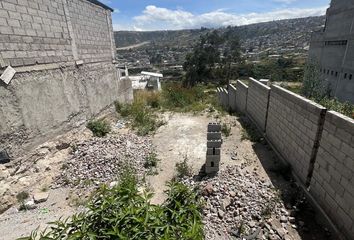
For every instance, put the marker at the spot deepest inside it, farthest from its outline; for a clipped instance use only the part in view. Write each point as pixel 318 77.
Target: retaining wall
pixel 257 103
pixel 293 128
pixel 241 96
pixel 332 183
pixel 232 98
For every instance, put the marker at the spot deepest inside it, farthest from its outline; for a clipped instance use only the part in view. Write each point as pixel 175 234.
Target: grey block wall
pixel 241 96
pixel 257 103
pixel 293 129
pixel 54 31
pixel 43 40
pixel 232 98
pixel 332 183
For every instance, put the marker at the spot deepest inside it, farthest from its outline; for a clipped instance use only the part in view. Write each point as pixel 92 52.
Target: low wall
pixel 232 98
pixel 293 128
pixel 332 183
pixel 319 146
pixel 41 104
pixel 241 96
pixel 257 103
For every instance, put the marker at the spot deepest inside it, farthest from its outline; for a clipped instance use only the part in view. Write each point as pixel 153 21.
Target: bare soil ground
pixel 184 135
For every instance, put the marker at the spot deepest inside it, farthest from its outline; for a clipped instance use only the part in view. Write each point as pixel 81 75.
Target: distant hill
pixel 282 30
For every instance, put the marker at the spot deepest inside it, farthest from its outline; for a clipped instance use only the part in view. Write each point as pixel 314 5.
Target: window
pixel 336 74
pixel 332 73
pixel 350 76
pixel 327 72
pixel 345 75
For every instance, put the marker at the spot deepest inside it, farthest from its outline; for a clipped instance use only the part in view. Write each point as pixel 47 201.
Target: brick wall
pixel 332 183
pixel 53 31
pixel 257 103
pixel 293 128
pixel 241 96
pixel 232 98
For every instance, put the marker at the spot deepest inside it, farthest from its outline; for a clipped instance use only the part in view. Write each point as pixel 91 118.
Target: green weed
pixel 99 128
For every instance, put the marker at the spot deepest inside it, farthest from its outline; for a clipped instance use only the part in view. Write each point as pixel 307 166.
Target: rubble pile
pixel 100 160
pixel 241 205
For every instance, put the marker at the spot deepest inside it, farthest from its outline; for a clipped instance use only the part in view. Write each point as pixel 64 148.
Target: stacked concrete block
pixel 293 129
pixel 257 103
pixel 213 154
pixel 332 183
pixel 241 96
pixel 232 98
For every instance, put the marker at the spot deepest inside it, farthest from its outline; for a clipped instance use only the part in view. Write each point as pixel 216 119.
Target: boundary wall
pixel 318 145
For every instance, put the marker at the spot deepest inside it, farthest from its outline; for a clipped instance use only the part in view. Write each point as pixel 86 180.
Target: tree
pixel 313 86
pixel 212 58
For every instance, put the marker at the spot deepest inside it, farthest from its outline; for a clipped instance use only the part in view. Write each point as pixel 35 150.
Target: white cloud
pixel 285 1
pixel 156 18
pixel 116 10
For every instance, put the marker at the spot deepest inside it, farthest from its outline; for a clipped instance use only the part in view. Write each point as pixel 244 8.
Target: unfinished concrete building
pixel 333 48
pixel 63 53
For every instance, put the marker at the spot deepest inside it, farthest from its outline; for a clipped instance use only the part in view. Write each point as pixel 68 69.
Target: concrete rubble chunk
pixel 7 75
pixel 40 197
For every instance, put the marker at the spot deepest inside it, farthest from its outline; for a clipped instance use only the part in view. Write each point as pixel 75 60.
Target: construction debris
pixel 100 160
pixel 242 205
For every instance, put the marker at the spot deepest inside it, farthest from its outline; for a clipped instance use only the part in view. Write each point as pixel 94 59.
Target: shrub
pixel 151 163
pixel 183 169
pixel 335 105
pixel 99 128
pixel 226 130
pixel 122 212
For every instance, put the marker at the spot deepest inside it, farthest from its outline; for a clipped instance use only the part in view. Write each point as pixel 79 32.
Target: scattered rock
pixel 208 190
pixel 29 205
pixel 100 160
pixel 283 219
pixel 40 197
pixel 221 213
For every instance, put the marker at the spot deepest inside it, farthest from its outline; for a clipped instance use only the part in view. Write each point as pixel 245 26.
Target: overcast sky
pixel 144 15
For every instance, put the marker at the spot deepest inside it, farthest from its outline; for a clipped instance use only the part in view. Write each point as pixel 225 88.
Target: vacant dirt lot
pixel 183 136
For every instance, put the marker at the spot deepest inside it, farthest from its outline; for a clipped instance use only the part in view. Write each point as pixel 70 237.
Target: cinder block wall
pixel 225 98
pixel 241 96
pixel 332 184
pixel 232 98
pixel 257 103
pixel 43 40
pixel 293 129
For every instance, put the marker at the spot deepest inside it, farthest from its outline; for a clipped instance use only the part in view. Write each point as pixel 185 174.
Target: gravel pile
pixel 100 160
pixel 242 206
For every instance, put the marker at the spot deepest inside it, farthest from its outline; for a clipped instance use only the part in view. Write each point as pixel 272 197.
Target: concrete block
pixel 214 135
pixel 214 158
pixel 7 75
pixel 214 127
pixel 213 151
pixel 212 164
pixel 209 170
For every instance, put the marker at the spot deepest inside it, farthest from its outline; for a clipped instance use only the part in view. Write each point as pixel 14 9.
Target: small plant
pixel 249 131
pixel 21 197
pixel 99 128
pixel 44 188
pixel 226 130
pixel 151 163
pixel 183 169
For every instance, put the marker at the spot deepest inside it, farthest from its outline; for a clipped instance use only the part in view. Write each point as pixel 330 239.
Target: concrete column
pixel 110 30
pixel 71 30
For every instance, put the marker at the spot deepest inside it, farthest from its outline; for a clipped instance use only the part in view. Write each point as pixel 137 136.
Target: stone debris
pixel 241 205
pixel 100 160
pixel 40 197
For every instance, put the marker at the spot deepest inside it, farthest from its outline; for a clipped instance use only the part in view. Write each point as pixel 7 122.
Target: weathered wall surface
pixel 257 103
pixel 46 103
pixel 232 98
pixel 333 177
pixel 319 145
pixel 292 128
pixel 241 96
pixel 63 52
